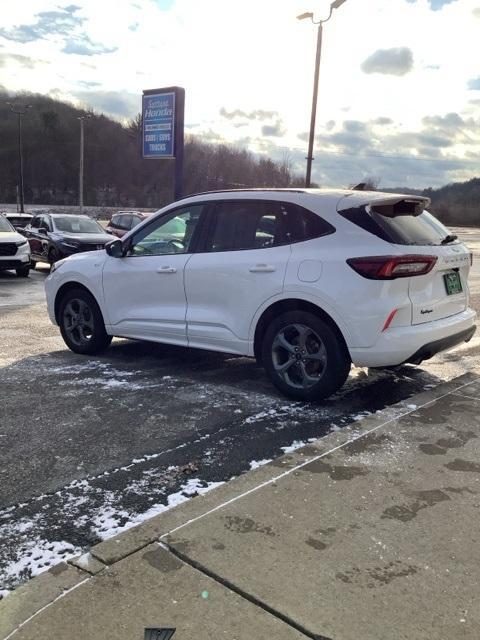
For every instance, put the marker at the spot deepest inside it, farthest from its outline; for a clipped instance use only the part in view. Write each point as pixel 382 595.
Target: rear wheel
pixel 304 357
pixel 53 256
pixel 81 323
pixel 22 272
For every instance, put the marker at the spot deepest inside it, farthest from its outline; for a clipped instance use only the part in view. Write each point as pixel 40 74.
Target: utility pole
pixel 80 174
pixel 335 5
pixel 20 110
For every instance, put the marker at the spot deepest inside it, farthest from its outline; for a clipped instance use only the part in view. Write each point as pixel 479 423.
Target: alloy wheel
pixel 299 356
pixel 78 322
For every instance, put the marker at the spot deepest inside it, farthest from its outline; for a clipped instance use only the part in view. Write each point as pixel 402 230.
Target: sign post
pixel 163 117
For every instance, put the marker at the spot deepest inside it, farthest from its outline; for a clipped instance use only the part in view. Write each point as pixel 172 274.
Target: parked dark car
pixel 122 221
pixel 54 236
pixel 18 220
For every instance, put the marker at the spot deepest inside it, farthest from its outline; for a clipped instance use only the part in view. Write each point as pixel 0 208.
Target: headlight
pixel 56 265
pixel 21 243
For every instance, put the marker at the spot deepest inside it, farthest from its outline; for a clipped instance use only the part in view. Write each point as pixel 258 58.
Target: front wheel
pixel 81 323
pixel 304 357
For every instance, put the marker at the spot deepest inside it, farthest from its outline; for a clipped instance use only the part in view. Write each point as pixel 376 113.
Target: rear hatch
pixel 403 222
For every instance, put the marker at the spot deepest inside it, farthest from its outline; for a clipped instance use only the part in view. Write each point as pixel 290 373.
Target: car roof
pixel 68 215
pixel 340 198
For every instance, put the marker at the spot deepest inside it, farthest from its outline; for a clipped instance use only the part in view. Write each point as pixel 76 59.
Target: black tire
pixel 33 264
pixel 22 272
pixel 304 357
pixel 53 256
pixel 81 323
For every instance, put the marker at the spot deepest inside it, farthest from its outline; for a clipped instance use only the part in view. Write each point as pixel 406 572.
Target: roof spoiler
pixel 385 204
pixel 391 207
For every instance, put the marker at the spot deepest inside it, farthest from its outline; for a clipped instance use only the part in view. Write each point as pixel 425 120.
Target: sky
pixel 399 96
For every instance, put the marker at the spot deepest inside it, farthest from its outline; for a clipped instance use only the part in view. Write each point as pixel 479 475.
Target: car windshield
pixel 75 224
pixel 5 224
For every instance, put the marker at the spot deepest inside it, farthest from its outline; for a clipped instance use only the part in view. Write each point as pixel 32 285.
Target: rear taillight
pixel 391 267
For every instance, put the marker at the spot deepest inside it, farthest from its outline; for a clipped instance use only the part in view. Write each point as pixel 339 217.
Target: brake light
pixel 391 267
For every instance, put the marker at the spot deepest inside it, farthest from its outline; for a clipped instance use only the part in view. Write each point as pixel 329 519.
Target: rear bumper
pixel 430 349
pixel 417 342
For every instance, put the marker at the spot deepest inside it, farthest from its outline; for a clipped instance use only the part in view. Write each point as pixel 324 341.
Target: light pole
pixel 80 173
pixel 20 110
pixel 335 5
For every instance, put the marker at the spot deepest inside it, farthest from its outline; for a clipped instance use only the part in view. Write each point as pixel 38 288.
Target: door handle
pixel 166 270
pixel 262 268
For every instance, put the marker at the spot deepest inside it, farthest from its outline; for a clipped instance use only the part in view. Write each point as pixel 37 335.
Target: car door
pixel 31 233
pixel 44 231
pixel 144 290
pixel 241 265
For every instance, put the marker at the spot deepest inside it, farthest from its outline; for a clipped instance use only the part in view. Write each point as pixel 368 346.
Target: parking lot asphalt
pixel 89 447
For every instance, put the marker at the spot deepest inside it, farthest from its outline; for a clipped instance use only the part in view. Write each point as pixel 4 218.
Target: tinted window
pixel 136 220
pixel 305 225
pixel 44 223
pixel 126 222
pixel 247 225
pixel 5 225
pixel 75 224
pixel 36 222
pixel 172 233
pixel 403 228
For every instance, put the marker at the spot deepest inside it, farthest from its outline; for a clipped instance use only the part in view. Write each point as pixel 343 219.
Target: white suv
pixel 14 249
pixel 307 281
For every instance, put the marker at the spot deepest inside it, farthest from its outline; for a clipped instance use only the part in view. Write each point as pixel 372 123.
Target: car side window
pixel 44 223
pixel 247 225
pixel 135 220
pixel 172 233
pixel 306 225
pixel 126 222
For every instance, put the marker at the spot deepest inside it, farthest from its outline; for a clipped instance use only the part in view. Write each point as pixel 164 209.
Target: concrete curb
pixel 43 590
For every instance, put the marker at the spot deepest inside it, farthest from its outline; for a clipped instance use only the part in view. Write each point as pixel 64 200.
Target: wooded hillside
pixel 117 176
pixel 115 173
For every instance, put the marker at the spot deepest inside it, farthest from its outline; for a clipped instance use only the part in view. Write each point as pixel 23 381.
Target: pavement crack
pixel 240 592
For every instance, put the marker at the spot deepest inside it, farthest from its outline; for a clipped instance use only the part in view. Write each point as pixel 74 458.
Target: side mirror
pixel 42 231
pixel 115 248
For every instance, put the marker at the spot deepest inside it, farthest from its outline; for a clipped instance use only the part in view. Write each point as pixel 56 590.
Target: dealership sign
pixel 158 115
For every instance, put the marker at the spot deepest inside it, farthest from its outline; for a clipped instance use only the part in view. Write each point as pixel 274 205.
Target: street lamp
pixel 304 16
pixel 80 173
pixel 20 110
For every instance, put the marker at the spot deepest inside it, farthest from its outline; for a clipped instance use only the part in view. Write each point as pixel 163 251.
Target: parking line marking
pixel 62 595
pixel 307 462
pixel 462 395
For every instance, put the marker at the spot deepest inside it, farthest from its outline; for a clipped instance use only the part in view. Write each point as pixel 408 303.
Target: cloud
pixel 435 5
pixel 23 61
pixel 474 84
pixel 382 121
pixel 258 114
pixel 83 46
pixel 396 62
pixel 277 130
pixel 449 123
pixel 48 23
pixel 119 104
pixel 63 23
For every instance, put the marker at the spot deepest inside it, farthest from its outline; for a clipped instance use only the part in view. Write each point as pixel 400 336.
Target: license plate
pixel 453 284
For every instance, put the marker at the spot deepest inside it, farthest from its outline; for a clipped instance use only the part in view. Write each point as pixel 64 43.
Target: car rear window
pixel 399 228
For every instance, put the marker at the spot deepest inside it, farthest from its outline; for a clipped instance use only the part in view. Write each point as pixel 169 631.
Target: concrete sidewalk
pixel 370 533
